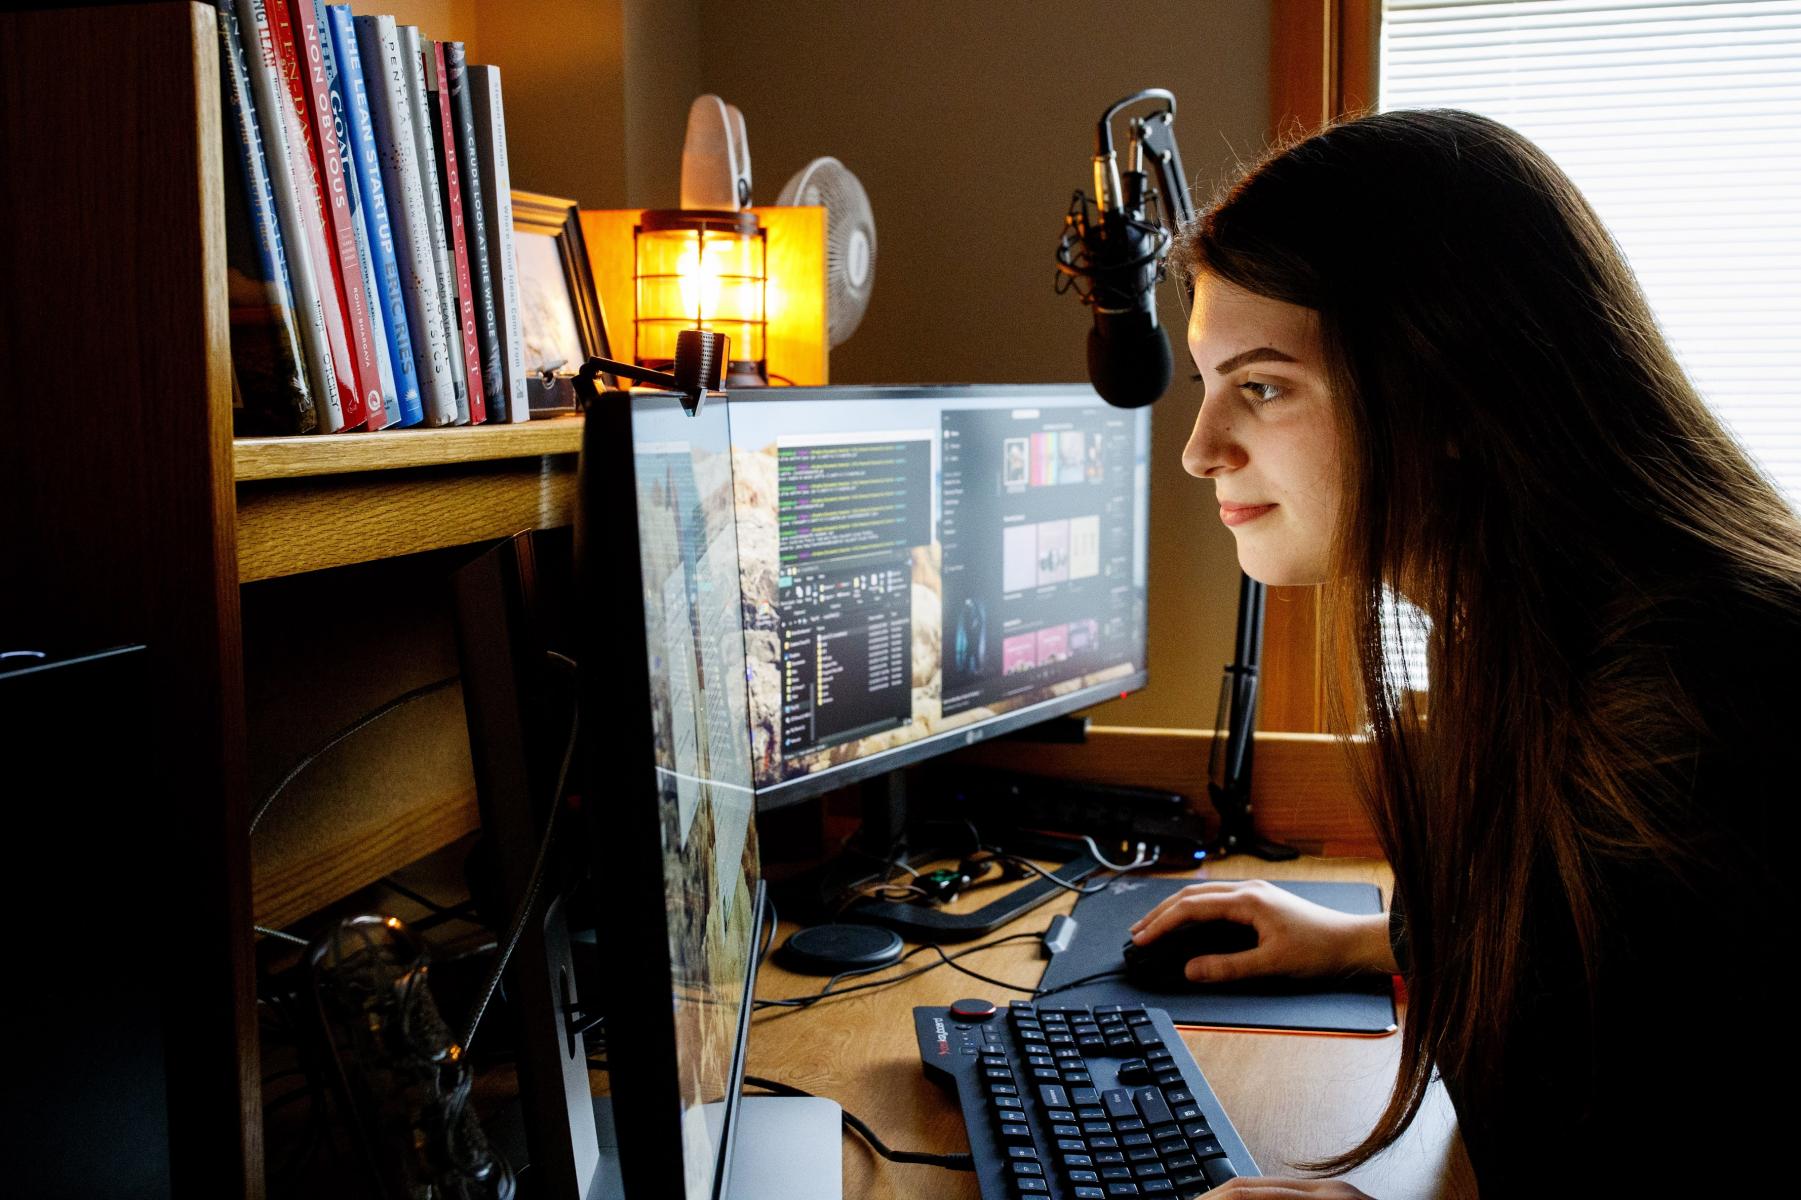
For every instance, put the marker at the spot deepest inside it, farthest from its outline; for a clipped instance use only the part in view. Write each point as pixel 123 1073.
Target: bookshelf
pixel 133 515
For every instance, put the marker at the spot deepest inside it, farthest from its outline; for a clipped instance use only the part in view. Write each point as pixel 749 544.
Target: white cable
pixel 1095 851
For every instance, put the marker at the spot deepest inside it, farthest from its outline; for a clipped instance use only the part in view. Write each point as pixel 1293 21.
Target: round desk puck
pixel 829 949
pixel 972 1010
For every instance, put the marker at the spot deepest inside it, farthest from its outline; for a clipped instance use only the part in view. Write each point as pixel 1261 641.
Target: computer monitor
pixel 925 567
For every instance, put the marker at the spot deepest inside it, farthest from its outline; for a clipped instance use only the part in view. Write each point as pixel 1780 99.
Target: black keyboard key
pixel 1158 1187
pixel 1077 1162
pixel 1123 1189
pixel 1206 1148
pixel 1020 1135
pixel 1002 1074
pixel 1109 1158
pixel 1219 1170
pixel 1077 1079
pixel 1116 1173
pixel 1022 1152
pixel 1034 1186
pixel 1089 1193
pixel 997 1088
pixel 1009 1102
pixel 1140 1154
pixel 1171 1147
pixel 1066 1131
pixel 1189 1182
pixel 1096 1127
pixel 1180 1162
pixel 1073 1145
pixel 1179 1096
pixel 1090 1041
pixel 1148 1168
pixel 1129 1125
pixel 1046 1074
pixel 1196 1129
pixel 1187 1112
pixel 1027 1168
pixel 1053 1096
pixel 1059 1114
pixel 1084 1176
pixel 1150 1104
pixel 1166 1078
pixel 1134 1071
pixel 1103 1143
pixel 1085 1095
pixel 1118 1102
pixel 1090 1112
pixel 1134 1139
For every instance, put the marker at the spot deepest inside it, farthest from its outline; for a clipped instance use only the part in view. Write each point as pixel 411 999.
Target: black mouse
pixel 1158 964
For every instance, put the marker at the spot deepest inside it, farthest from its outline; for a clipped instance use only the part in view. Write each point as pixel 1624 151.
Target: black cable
pixel 951 1162
pixel 354 727
pixel 532 888
pixel 831 987
pixel 1064 987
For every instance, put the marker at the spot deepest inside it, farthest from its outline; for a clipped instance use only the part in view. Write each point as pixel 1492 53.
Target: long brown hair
pixel 1525 462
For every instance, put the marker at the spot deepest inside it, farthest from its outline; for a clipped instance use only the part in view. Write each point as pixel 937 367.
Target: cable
pixel 276 933
pixel 1064 987
pixel 831 987
pixel 532 888
pixel 1140 861
pixel 356 726
pixel 950 1162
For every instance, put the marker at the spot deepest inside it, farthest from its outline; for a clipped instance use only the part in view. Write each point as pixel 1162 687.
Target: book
pixel 475 229
pixel 497 209
pixel 425 140
pixel 302 242
pixel 386 293
pixel 270 393
pixel 451 196
pixel 338 95
pixel 313 100
pixel 384 70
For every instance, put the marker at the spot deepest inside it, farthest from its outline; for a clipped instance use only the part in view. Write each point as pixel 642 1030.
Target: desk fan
pixel 850 240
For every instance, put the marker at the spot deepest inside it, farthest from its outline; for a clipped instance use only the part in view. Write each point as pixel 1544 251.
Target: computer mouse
pixel 1158 964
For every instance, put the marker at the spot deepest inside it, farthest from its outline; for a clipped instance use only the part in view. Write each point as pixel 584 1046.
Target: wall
pixel 970 126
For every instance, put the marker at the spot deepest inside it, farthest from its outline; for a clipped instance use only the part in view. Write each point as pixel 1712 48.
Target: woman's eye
pixel 1260 393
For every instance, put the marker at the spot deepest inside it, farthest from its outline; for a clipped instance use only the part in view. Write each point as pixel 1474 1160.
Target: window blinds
pixel 1681 123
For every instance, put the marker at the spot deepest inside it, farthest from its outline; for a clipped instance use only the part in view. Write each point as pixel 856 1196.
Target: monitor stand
pixel 886 827
pixel 786 1148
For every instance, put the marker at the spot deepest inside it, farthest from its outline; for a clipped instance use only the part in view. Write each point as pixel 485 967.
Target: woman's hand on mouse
pixel 1266 1188
pixel 1295 937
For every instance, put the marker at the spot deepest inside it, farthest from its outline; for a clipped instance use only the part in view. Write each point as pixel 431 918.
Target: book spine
pixel 424 139
pixel 364 169
pixel 378 44
pixel 309 186
pixel 265 339
pixel 275 121
pixel 451 196
pixel 497 207
pixel 340 223
pixel 475 228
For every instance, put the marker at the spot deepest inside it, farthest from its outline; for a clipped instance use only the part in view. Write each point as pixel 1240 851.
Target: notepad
pixel 1362 1004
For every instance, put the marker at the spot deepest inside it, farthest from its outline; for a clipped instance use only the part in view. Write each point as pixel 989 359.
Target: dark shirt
pixel 1673 1081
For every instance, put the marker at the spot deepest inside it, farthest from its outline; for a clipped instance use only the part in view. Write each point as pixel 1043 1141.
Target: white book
pixel 275 121
pixel 384 69
pixel 497 208
pixel 411 48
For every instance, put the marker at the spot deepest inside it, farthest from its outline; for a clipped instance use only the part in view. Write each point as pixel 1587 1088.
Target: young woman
pixel 1429 374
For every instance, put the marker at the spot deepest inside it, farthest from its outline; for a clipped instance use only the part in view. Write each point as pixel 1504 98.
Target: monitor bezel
pixel 805 787
pixel 642 1062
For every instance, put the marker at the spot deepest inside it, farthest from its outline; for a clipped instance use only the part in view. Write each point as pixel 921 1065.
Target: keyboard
pixel 1079 1103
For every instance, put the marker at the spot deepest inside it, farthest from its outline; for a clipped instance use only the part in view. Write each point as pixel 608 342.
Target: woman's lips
pixel 1238 514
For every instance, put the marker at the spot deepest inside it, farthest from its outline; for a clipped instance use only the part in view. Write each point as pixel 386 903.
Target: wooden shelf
pixel 309 503
pixel 398 449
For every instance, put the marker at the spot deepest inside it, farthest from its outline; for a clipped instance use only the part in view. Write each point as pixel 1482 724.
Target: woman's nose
pixel 1211 447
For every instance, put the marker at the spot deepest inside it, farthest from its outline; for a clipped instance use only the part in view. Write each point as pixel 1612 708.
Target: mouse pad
pixel 1363 1004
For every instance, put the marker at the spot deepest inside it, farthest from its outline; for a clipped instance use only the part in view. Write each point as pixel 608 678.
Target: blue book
pixel 396 385
pixel 265 342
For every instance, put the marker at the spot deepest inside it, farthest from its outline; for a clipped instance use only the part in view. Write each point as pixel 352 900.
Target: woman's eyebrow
pixel 1260 354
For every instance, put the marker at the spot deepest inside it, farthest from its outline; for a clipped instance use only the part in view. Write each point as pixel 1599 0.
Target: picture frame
pixel 560 312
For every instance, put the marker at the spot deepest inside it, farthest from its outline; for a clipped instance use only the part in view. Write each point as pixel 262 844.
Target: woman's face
pixel 1265 434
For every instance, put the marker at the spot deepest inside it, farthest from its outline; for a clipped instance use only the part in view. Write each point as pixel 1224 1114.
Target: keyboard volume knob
pixel 972 1010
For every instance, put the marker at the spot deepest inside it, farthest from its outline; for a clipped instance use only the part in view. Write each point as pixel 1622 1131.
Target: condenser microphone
pixel 1112 253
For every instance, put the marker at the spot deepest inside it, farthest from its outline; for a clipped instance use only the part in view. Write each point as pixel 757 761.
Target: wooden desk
pixel 1291 1096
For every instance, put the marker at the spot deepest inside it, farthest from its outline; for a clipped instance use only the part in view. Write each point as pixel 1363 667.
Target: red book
pixel 315 92
pixel 317 234
pixel 452 201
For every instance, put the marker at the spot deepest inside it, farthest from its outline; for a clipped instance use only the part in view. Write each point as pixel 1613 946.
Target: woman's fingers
pixel 1198 906
pixel 1210 887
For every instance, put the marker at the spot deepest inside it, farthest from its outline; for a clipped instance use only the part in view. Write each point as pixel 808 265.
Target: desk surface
pixel 1291 1096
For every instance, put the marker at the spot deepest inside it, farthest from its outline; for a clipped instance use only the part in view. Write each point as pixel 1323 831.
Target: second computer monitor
pixel 927 566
